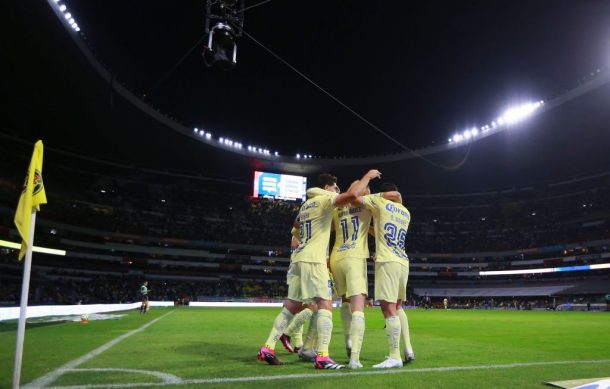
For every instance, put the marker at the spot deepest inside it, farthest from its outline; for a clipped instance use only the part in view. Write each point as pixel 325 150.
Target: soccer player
pixel 144 293
pixel 349 271
pixel 308 279
pixel 445 302
pixel 391 222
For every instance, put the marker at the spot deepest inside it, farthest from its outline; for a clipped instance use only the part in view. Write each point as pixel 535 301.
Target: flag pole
pixel 25 289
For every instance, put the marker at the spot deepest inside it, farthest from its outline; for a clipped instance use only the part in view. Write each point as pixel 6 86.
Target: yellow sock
pixel 295 328
pixel 346 319
pixel 356 334
pixel 392 331
pixel 312 333
pixel 404 329
pixel 279 325
pixel 325 330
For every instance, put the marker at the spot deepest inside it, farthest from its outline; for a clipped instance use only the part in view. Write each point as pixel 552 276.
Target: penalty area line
pixel 228 380
pixel 50 377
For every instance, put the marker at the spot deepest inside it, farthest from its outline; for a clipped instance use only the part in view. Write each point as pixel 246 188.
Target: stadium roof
pixel 418 72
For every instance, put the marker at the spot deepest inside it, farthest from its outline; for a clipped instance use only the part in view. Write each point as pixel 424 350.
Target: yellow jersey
pixel 351 232
pixel 315 218
pixel 391 222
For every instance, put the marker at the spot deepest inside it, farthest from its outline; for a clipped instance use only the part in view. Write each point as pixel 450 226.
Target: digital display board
pixel 279 186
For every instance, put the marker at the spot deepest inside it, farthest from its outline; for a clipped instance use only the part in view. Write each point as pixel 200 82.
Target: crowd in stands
pixel 186 210
pixel 105 290
pixel 188 213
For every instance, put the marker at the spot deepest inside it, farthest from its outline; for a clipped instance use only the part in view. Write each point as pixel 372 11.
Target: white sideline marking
pixel 226 380
pixel 50 377
pixel 165 377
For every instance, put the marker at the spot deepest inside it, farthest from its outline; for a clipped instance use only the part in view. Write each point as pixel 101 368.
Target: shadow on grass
pixel 243 354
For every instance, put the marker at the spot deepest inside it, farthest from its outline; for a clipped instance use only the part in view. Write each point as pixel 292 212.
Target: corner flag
pixel 32 196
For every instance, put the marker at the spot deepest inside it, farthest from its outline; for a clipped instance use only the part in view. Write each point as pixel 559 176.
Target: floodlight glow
pixel 515 114
pixel 77 29
pixel 500 120
pixel 467 134
pixel 298 155
pixel 71 21
pixel 221 140
pixel 474 132
pixel 62 8
pixel 68 15
pixel 276 153
pixel 208 135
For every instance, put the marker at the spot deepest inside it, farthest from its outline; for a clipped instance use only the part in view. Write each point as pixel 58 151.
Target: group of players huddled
pixel 312 277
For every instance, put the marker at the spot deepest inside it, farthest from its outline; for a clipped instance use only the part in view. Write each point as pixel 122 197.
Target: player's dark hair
pixel 326 179
pixel 388 187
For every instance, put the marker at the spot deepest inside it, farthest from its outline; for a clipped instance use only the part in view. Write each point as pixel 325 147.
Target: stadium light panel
pixel 68 15
pixel 62 8
pixel 276 153
pixel 466 134
pixel 208 135
pixel 298 155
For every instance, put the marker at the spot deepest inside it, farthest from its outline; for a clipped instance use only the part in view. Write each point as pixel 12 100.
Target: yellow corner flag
pixel 32 196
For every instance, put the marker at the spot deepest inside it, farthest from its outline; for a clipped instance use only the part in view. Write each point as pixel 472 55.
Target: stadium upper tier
pixel 460 224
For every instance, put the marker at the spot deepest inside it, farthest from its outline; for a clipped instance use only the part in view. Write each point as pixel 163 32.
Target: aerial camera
pixel 224 21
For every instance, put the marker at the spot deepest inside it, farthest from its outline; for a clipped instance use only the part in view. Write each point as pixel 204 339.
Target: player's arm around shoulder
pixel 394 196
pixel 357 190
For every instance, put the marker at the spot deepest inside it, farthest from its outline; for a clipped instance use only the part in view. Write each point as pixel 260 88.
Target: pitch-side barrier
pixel 11 313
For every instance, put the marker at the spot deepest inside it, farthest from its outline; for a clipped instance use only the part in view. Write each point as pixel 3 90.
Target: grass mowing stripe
pixel 48 378
pixel 226 380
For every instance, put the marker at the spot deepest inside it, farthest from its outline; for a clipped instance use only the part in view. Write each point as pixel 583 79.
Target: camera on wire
pixel 224 21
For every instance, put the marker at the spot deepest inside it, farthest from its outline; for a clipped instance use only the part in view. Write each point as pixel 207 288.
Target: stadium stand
pixel 204 238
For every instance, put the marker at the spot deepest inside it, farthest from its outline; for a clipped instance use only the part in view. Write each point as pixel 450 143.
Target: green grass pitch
pixel 195 344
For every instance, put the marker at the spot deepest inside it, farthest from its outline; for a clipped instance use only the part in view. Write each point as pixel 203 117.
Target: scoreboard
pixel 279 186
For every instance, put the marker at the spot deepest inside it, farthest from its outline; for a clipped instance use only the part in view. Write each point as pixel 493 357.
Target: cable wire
pixel 376 128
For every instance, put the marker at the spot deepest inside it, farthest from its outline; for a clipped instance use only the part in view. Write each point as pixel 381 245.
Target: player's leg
pixel 339 272
pixel 404 322
pixel 291 306
pixel 320 289
pixel 292 338
pixel 406 336
pixel 357 289
pixel 387 280
pixel 308 351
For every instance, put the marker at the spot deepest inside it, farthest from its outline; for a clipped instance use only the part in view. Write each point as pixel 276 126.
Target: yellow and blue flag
pixel 32 196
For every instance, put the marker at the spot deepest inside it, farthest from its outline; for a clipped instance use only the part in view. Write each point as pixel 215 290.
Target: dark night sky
pixel 419 71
